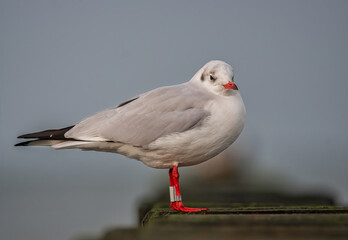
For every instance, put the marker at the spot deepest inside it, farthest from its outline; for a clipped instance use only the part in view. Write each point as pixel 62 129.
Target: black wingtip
pixel 22 136
pixel 54 134
pixel 23 143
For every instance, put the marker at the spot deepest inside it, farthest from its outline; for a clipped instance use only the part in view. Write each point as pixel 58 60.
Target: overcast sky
pixel 62 61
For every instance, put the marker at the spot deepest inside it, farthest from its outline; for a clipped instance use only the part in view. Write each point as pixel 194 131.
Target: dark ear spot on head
pixel 202 77
pixel 212 76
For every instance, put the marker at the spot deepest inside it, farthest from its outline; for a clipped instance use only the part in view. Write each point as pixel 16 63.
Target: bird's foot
pixel 179 206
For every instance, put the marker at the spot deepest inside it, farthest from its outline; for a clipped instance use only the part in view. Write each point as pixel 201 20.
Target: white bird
pixel 168 127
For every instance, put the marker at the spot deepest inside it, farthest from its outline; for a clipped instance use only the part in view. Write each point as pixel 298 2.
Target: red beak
pixel 230 85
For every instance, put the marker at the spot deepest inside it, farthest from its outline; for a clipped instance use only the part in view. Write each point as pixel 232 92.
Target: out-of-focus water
pixel 66 198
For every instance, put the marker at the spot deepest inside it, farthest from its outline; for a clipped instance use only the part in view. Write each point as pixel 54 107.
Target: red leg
pixel 171 191
pixel 176 203
pixel 171 182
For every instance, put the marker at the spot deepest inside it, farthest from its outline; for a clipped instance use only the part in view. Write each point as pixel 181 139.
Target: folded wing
pixel 146 118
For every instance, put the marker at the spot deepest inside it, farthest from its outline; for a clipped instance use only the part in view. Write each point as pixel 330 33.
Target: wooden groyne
pixel 242 215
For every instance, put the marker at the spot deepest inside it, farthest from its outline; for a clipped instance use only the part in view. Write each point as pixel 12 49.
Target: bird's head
pixel 216 76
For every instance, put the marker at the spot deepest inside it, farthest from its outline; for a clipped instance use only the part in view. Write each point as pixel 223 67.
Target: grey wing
pixel 146 118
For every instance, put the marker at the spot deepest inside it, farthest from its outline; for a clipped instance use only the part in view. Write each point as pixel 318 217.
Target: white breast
pixel 218 132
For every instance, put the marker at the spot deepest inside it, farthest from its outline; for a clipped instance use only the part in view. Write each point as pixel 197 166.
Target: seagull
pixel 165 128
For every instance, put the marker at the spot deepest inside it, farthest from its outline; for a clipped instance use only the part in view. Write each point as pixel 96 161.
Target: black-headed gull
pixel 167 127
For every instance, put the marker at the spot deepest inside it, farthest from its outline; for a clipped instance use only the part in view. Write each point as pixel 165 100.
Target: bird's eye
pixel 212 78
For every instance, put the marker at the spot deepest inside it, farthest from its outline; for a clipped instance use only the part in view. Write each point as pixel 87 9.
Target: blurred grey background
pixel 61 61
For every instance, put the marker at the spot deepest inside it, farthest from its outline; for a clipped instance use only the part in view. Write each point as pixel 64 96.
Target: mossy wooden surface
pixel 222 233
pixel 240 221
pixel 236 214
